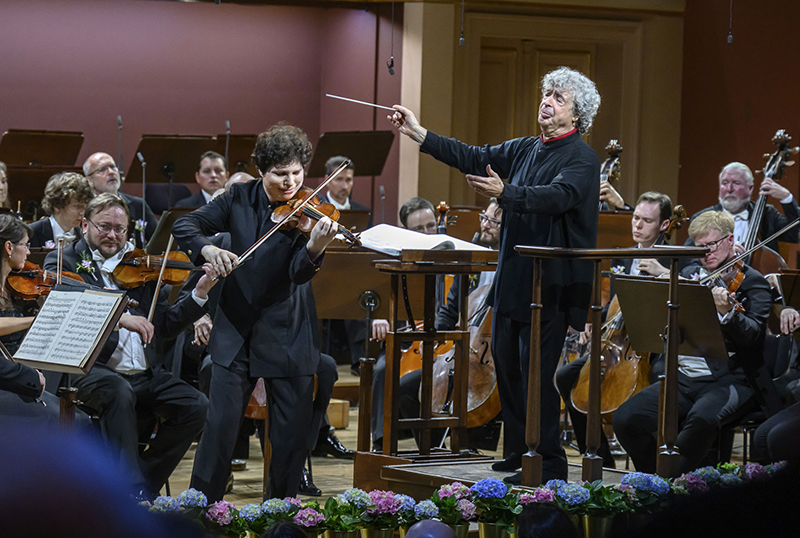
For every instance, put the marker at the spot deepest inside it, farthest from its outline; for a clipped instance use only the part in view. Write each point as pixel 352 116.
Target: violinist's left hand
pixel 206 281
pixel 491 187
pixel 652 267
pixel 790 320
pixel 774 189
pixel 322 234
pixel 721 300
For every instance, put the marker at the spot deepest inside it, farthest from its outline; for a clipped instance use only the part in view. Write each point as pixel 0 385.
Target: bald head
pixel 101 171
pixel 238 177
pixel 429 528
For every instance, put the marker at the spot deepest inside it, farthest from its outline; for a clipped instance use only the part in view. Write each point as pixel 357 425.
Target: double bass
pixel 623 371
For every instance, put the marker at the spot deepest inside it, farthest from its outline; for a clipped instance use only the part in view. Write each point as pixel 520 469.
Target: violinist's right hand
pixel 738 249
pixel 790 320
pixel 407 123
pixel 222 261
pixel 42 381
pixel 139 325
pixel 585 336
pixel 379 329
pixel 202 329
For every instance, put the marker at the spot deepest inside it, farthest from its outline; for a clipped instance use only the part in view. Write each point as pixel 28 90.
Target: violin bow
pixel 746 253
pixel 160 278
pixel 342 167
pixel 60 264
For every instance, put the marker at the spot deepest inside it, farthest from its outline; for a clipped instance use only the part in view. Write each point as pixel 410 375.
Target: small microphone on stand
pixel 390 65
pixel 383 204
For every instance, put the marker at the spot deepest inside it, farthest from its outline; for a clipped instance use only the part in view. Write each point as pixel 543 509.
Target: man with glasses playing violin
pixel 709 391
pixel 101 170
pixel 128 387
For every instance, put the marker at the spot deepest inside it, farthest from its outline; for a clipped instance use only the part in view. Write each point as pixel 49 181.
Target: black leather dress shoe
pixel 307 486
pixel 511 463
pixel 329 445
pixel 516 478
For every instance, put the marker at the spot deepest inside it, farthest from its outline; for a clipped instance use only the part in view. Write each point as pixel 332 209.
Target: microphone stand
pixel 144 200
pixel 121 163
pixel 227 142
pixel 383 205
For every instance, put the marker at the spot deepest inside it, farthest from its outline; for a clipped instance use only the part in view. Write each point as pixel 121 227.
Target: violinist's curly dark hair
pixel 281 144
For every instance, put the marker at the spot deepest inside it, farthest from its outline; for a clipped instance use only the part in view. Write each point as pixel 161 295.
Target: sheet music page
pixel 46 327
pixel 82 330
pixel 391 240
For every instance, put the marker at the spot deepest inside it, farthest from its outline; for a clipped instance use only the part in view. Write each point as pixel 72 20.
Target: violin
pixel 312 211
pixel 32 282
pixel 138 268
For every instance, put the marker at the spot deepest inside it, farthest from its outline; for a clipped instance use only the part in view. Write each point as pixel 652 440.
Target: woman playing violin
pixel 20 386
pixel 266 321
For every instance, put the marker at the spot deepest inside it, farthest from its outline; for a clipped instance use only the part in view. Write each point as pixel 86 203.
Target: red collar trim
pixel 547 140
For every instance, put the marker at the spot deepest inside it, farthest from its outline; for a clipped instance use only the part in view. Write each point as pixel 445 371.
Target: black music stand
pixel 240 149
pixel 366 149
pixel 158 241
pixel 21 147
pixel 170 159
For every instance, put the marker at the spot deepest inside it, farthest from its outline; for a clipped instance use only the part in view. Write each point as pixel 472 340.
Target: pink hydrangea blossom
pixel 308 517
pixel 294 501
pixel 539 495
pixel 457 489
pixel 220 513
pixel 754 470
pixel 467 509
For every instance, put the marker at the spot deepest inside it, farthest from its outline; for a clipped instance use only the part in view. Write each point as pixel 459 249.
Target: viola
pixel 32 282
pixel 138 268
pixel 312 211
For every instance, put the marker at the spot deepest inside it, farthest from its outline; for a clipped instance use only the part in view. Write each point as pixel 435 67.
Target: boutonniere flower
pixel 85 265
pixel 618 270
pixel 140 225
pixel 694 276
pixel 49 244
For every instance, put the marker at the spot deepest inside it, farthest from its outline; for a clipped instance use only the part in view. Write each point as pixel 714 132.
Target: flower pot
pixel 341 534
pixel 490 530
pixel 402 531
pixel 596 526
pixel 377 533
pixel 462 530
pixel 312 532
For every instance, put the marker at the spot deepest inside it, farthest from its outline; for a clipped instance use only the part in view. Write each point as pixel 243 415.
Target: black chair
pixel 159 198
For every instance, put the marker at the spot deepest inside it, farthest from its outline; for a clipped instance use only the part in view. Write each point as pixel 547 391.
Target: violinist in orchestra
pixel 4 186
pixel 22 394
pixel 266 322
pixel 102 171
pixel 650 218
pixel 128 387
pixel 211 176
pixel 735 192
pixel 65 199
pixel 548 187
pixel 708 391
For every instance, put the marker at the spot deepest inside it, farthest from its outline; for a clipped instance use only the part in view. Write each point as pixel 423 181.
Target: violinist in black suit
pixel 65 199
pixel 266 321
pixel 101 170
pixel 211 175
pixel 735 190
pixel 128 381
pixel 549 199
pixel 708 391
pixel 650 218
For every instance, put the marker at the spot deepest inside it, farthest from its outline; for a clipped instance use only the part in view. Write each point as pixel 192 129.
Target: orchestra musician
pixel 735 191
pixel 707 390
pixel 20 385
pixel 211 175
pixel 550 199
pixel 4 186
pixel 101 170
pixel 266 323
pixel 128 380
pixel 65 199
pixel 650 218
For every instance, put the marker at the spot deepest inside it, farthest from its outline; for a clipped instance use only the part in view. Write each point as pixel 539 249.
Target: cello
pixel 765 260
pixel 623 371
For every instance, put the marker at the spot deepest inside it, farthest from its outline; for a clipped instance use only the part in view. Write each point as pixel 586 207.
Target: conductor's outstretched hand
pixel 406 122
pixel 491 186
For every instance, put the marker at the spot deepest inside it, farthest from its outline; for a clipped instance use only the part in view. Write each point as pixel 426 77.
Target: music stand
pixel 21 147
pixel 366 149
pixel 169 158
pixel 158 241
pixel 355 219
pixel 240 150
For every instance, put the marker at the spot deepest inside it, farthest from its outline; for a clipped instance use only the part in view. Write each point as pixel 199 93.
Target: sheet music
pixel 392 240
pixel 68 327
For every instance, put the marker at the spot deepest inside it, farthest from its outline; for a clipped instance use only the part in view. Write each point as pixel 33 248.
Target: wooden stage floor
pixel 334 476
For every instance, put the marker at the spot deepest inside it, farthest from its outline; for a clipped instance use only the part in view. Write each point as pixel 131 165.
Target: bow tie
pixel 743 215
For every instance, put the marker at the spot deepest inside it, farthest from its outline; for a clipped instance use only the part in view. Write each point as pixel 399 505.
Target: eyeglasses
pixel 105 229
pixel 104 169
pixel 26 245
pixel 489 221
pixel 714 245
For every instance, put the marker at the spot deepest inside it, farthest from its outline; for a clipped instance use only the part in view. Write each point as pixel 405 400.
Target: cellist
pixel 650 218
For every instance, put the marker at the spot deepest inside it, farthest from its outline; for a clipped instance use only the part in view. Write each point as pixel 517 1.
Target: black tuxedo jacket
pixel 267 305
pixel 195 200
pixel 353 205
pixel 139 210
pixel 43 232
pixel 168 320
pixel 550 200
pixel 19 379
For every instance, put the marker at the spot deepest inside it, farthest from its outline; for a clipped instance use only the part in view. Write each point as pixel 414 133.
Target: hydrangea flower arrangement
pixel 539 495
pixel 406 516
pixel 343 512
pixel 309 518
pixel 496 503
pixel 425 510
pixel 192 502
pixel 689 483
pixel 383 511
pixel 650 491
pixel 165 504
pixel 448 500
pixel 222 517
